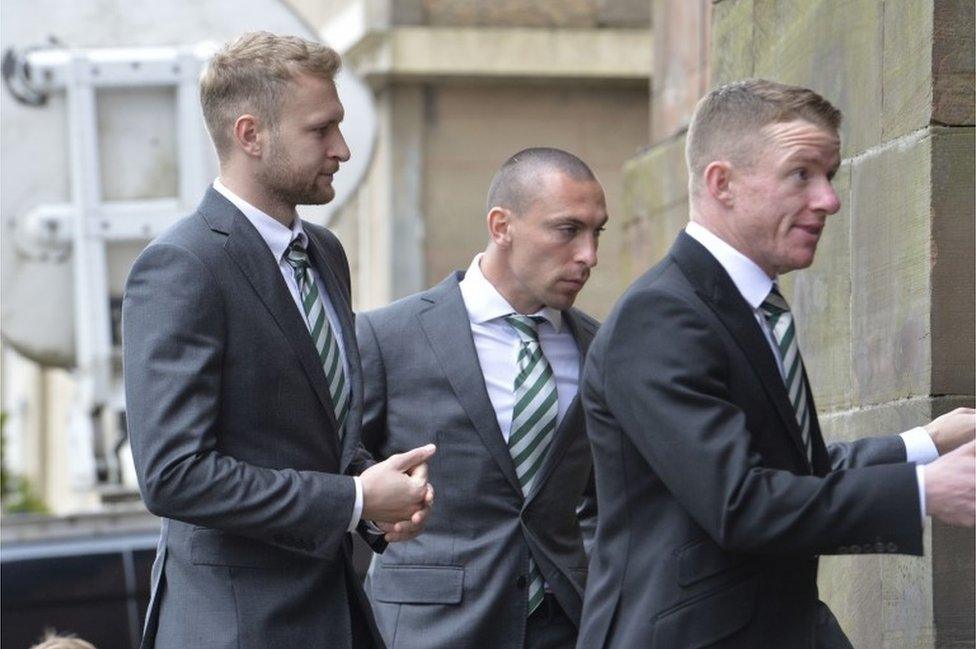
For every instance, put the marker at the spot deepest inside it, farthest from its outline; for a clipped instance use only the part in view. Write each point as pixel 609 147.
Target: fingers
pixel 409 459
pixel 968 449
pixel 405 530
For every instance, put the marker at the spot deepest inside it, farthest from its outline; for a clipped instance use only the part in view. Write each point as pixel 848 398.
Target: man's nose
pixel 586 253
pixel 825 198
pixel 339 148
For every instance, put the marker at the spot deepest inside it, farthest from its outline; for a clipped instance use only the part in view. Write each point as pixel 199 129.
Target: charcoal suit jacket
pixel 711 514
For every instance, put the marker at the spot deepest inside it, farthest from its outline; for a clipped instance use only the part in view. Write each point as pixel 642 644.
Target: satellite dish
pixel 39 298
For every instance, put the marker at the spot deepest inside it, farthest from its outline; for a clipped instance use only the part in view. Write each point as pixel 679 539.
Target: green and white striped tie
pixel 533 421
pixel 322 335
pixel 780 320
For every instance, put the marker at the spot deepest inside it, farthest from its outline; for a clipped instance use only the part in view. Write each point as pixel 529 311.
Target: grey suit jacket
pixel 235 443
pixel 711 515
pixel 462 583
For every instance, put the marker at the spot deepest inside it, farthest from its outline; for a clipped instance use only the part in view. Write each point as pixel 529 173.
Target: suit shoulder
pixel 190 236
pixel 655 301
pixel 322 235
pixel 585 319
pixel 189 232
pixel 396 311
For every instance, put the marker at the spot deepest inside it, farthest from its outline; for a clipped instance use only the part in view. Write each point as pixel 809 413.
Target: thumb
pixel 409 459
pixel 419 472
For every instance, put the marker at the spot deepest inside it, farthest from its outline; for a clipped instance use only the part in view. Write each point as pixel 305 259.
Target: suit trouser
pixel 549 627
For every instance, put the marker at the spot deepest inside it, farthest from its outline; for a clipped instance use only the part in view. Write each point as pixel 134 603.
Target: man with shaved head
pixel 485 365
pixel 717 493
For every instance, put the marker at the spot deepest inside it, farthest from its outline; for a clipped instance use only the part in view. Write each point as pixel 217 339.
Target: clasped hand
pixel 950 481
pixel 396 495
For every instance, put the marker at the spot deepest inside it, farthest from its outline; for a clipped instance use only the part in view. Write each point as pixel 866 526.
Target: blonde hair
pixel 249 74
pixel 728 119
pixel 54 641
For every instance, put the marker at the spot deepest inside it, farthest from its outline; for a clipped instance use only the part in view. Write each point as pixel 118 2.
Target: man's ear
pixel 717 181
pixel 499 226
pixel 247 135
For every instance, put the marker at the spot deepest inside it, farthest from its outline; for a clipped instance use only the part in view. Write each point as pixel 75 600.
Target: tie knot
pixel 775 303
pixel 526 326
pixel 296 256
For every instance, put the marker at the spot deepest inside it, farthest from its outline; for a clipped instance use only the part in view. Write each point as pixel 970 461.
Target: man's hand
pixel 396 489
pixel 953 429
pixel 950 487
pixel 406 530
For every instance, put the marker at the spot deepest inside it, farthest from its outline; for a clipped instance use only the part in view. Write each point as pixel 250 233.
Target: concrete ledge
pixel 491 52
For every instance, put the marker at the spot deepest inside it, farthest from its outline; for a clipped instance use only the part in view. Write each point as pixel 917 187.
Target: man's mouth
pixel 813 230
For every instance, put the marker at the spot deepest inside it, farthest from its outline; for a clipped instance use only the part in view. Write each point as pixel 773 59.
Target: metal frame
pixel 89 222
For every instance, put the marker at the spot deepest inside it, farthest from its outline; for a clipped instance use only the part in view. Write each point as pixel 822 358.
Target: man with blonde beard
pixel 244 385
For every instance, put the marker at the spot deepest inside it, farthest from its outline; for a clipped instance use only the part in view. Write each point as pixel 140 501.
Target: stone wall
pixel 886 312
pixel 519 13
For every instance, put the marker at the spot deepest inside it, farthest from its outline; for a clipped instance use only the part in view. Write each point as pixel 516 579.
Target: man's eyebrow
pixel 326 121
pixel 569 219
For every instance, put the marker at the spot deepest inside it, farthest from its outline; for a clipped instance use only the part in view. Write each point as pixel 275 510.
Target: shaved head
pixel 517 185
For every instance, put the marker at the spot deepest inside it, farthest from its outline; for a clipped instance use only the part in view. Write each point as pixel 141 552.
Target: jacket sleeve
pixel 374 408
pixel 664 376
pixel 586 512
pixel 869 451
pixel 174 352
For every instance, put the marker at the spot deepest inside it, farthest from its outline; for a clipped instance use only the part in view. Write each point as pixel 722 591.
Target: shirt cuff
pixel 920 476
pixel 357 509
pixel 919 447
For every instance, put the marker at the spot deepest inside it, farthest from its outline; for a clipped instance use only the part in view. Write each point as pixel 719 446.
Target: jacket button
pixel 879 547
pixel 520 581
pixel 892 547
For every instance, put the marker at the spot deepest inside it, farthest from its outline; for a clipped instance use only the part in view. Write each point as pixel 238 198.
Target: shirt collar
pixel 483 301
pixel 753 283
pixel 277 235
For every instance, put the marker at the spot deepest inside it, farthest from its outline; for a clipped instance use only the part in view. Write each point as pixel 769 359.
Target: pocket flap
pixel 216 548
pixel 702 622
pixel 400 584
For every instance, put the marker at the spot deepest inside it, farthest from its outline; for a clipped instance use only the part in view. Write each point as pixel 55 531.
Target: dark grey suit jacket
pixel 235 443
pixel 462 583
pixel 711 516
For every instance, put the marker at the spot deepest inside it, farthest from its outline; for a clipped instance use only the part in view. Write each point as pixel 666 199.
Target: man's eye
pixel 801 173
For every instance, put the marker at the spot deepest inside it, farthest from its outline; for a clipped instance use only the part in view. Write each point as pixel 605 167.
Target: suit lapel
pixel 323 264
pixel 448 331
pixel 249 251
pixel 573 420
pixel 716 288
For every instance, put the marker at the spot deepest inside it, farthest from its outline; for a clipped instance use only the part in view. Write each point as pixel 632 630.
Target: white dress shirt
pixel 754 285
pixel 278 237
pixel 497 344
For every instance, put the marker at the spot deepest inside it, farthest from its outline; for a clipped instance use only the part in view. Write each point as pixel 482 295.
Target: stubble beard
pixel 285 186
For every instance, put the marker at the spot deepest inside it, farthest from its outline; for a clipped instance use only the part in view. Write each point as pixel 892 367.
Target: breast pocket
pixel 703 559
